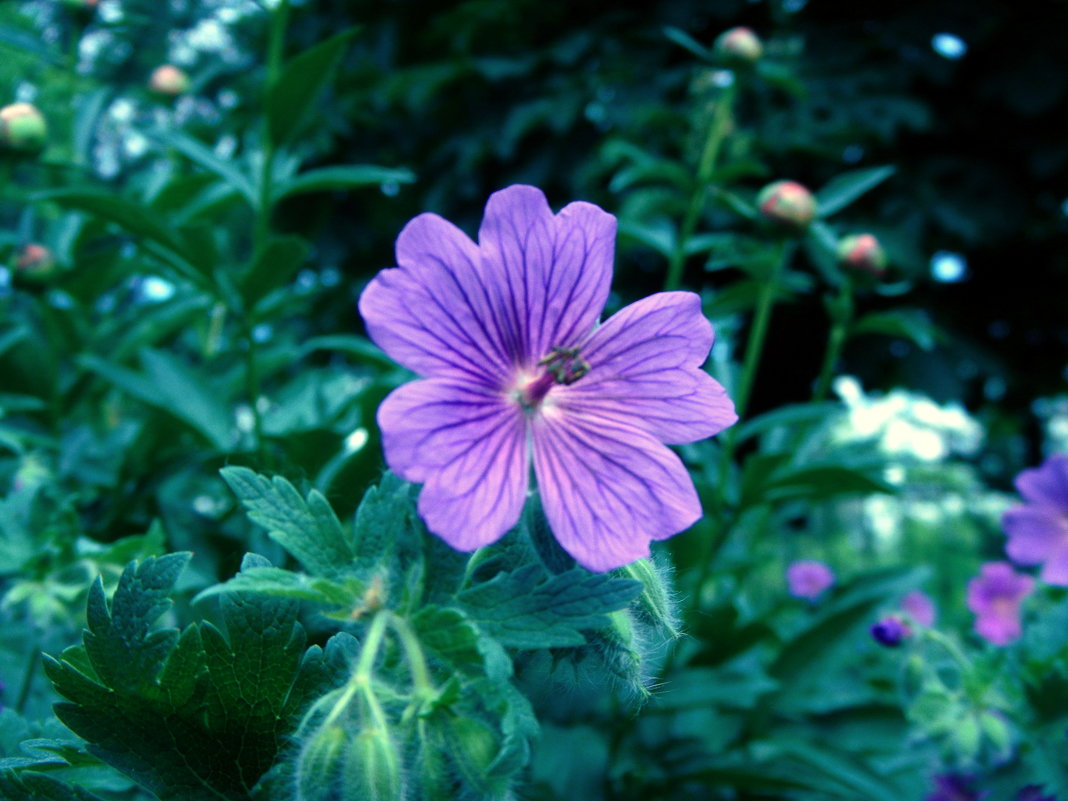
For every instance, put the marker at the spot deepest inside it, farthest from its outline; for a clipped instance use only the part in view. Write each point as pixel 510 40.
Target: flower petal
pixel 608 489
pixel 1046 485
pixel 469 447
pixel 433 314
pixel 1055 570
pixel 645 371
pixel 1035 533
pixel 552 273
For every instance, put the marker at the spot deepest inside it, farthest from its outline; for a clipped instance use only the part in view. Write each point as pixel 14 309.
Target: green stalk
pixel 361 675
pixel 717 131
pixel 27 680
pixel 753 349
pixel 422 685
pixel 841 311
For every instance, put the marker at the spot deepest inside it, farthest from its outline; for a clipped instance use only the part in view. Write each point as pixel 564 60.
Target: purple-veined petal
pixel 608 489
pixel 645 371
pixel 551 273
pixel 433 314
pixel 1046 485
pixel 470 449
pixel 1035 533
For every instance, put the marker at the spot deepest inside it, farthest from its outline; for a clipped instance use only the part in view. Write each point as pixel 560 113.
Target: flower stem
pixel 27 680
pixel 275 44
pixel 841 311
pixel 422 685
pixel 753 349
pixel 717 131
pixel 361 675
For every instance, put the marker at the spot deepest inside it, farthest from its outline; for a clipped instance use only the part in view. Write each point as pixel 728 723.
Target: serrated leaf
pixel 843 189
pixel 915 325
pixel 307 528
pixel 381 519
pixel 343 177
pixel 528 609
pixel 301 83
pixel 280 583
pixel 450 636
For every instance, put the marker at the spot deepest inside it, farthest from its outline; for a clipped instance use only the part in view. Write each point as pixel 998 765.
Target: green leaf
pixel 360 347
pixel 524 609
pixel 820 482
pixel 843 189
pixel 29 786
pixel 347 176
pixel 280 583
pixel 856 779
pixel 308 529
pixel 274 266
pixel 687 42
pixel 659 236
pixel 291 98
pixel 914 325
pixel 134 217
pixel 792 416
pixel 384 514
pixel 450 636
pixel 198 716
pixel 199 154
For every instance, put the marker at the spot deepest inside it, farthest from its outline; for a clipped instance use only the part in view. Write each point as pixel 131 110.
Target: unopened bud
pixel 788 204
pixel 168 81
pixel 473 747
pixel 34 263
pixel 22 128
pixel 657 600
pixel 890 632
pixel 862 253
pixel 319 767
pixel 739 45
pixel 373 767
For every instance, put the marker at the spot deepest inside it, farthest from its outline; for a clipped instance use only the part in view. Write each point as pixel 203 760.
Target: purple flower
pixel 808 579
pixel 918 606
pixel 890 631
pixel 1033 792
pixel 1038 529
pixel 994 596
pixel 953 787
pixel 516 370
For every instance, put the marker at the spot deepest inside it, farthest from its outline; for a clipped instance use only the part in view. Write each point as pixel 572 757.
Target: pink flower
pixel 808 579
pixel 994 596
pixel 515 370
pixel 1038 529
pixel 918 606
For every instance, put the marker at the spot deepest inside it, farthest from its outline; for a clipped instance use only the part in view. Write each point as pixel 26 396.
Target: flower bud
pixel 862 253
pixel 373 767
pixel 890 632
pixel 34 263
pixel 319 764
pixel 473 747
pixel 739 45
pixel 22 128
pixel 788 204
pixel 168 81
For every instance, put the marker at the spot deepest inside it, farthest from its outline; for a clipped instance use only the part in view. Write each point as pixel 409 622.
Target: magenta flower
pixel 994 596
pixel 808 579
pixel 516 370
pixel 1038 529
pixel 890 631
pixel 919 607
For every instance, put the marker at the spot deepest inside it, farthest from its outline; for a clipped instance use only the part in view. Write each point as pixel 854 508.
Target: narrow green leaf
pixel 29 786
pixel 347 176
pixel 199 154
pixel 360 347
pixel 308 529
pixel 303 80
pixel 843 189
pixel 687 42
pixel 189 395
pixel 915 325
pixel 274 266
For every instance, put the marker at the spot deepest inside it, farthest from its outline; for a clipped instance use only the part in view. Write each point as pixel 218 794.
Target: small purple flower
pixel 808 579
pixel 890 631
pixel 994 596
pixel 919 607
pixel 954 787
pixel 514 369
pixel 1038 529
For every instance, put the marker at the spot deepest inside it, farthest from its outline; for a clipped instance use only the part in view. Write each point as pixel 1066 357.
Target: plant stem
pixel 361 675
pixel 27 680
pixel 841 315
pixel 753 349
pixel 422 685
pixel 717 130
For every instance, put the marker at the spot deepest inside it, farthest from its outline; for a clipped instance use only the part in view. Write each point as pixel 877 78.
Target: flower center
pixel 562 366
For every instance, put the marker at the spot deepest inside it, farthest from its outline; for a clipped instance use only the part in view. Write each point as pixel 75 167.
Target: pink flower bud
pixel 22 128
pixel 34 263
pixel 168 81
pixel 862 253
pixel 788 204
pixel 739 45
